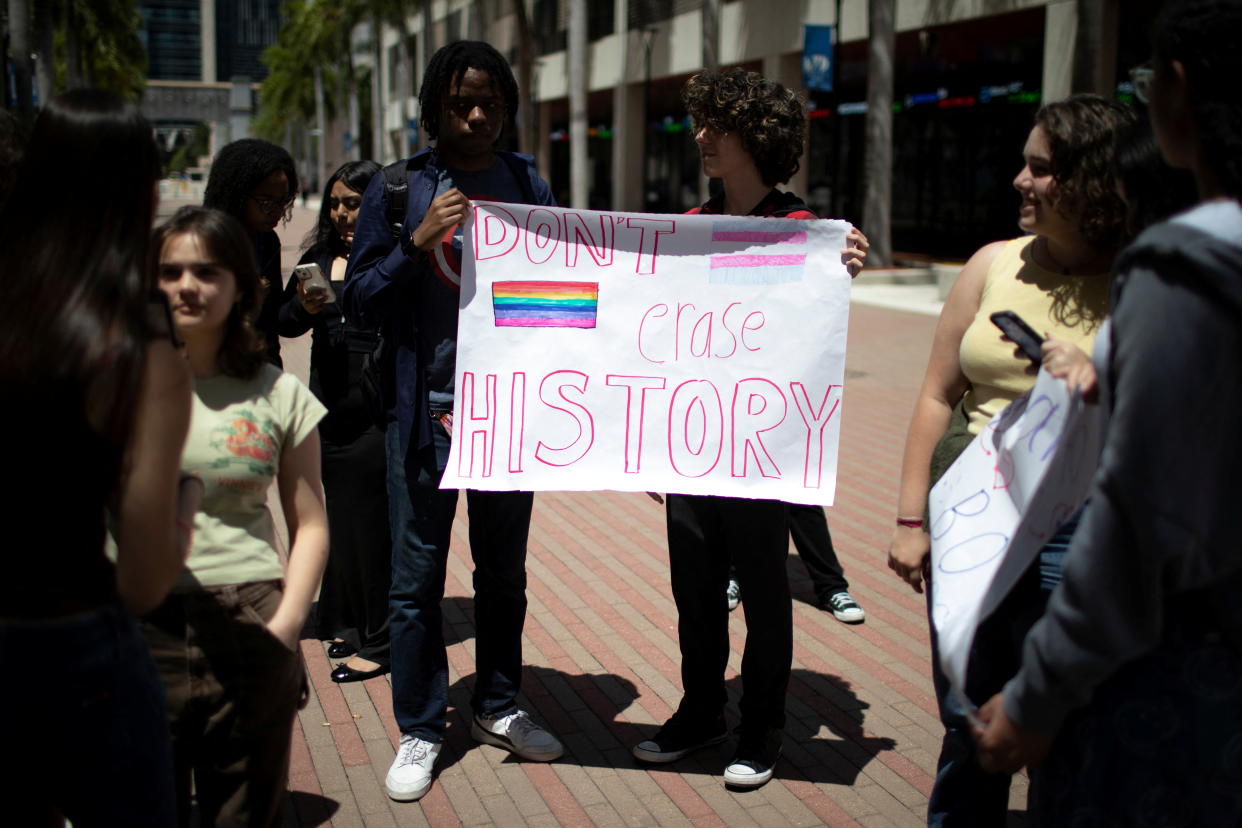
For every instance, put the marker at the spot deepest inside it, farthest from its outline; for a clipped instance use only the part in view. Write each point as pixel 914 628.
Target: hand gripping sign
pixel 999 503
pixel 636 352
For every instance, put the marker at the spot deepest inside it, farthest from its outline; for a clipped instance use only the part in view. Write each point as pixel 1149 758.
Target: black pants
pixel 353 601
pixel 808 527
pixel 705 534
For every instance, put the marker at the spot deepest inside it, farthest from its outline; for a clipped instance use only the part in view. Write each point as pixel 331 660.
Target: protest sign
pixel 671 353
pixel 999 503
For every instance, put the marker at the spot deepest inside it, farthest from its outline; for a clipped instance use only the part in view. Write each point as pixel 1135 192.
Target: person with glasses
pixel 256 183
pixel 1129 692
pixel 353 600
pixel 408 284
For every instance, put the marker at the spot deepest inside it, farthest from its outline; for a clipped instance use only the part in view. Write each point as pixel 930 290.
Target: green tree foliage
pixel 314 35
pixel 93 43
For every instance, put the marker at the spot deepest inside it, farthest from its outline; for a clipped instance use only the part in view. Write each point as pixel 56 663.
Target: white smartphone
pixel 313 280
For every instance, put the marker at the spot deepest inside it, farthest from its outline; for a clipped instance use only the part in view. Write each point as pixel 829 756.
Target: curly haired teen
pixel 749 131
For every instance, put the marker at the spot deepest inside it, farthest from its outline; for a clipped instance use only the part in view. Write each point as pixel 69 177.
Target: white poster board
pixel 999 503
pixel 636 352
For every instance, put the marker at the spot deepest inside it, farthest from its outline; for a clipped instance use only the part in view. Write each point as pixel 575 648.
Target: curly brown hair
pixel 1081 131
pixel 243 351
pixel 769 118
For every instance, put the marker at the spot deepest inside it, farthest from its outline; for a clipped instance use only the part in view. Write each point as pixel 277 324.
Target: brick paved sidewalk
pixel 602 665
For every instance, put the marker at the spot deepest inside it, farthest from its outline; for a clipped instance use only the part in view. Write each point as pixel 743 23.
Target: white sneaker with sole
pixel 409 777
pixel 517 732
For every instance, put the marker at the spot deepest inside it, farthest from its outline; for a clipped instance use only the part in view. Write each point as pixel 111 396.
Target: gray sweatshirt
pixel 1163 531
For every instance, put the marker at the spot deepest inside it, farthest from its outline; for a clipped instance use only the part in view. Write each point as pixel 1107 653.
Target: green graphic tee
pixel 238 431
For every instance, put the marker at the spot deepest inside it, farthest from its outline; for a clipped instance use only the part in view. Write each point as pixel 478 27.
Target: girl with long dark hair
pixel 353 601
pixel 95 400
pixel 226 640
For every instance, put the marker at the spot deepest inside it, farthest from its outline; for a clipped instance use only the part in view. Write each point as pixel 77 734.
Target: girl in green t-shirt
pixel 226 640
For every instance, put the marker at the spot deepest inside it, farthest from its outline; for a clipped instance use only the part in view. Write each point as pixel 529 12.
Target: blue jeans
pixel 421 517
pixel 97 699
pixel 964 794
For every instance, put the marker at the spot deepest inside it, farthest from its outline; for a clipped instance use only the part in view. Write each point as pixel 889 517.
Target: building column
pixel 1060 34
pixel 627 148
pixel 207 43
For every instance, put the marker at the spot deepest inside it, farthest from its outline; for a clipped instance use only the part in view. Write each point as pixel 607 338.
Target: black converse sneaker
pixel 677 739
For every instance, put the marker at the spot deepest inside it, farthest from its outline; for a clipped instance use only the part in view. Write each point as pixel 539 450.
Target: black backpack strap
pixel 397 187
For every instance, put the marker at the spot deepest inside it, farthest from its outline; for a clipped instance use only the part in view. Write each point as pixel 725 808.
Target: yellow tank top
pixel 1067 307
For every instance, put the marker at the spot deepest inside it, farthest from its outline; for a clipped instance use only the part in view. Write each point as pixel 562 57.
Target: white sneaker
pixel 844 608
pixel 733 594
pixel 409 777
pixel 518 733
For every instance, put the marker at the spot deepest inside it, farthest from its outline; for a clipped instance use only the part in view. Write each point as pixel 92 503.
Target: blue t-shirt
pixel 438 336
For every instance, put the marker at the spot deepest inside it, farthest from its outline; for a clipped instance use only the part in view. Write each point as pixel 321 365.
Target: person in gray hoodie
pixel 1130 690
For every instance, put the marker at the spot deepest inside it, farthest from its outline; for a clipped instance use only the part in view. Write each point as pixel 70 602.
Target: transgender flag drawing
pixel 545 304
pixel 782 259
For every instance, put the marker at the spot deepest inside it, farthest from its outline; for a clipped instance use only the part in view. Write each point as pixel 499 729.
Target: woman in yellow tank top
pixel 1056 278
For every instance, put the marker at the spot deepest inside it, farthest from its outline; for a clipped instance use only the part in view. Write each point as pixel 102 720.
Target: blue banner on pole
pixel 817 57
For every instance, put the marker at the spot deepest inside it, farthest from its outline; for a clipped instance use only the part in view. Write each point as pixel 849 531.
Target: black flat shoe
pixel 344 673
pixel 341 649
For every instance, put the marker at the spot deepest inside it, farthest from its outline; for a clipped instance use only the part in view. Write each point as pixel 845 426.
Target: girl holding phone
pixel 1057 279
pixel 353 602
pixel 226 640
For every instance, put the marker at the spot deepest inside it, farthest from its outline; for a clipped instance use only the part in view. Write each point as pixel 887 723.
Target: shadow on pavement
pixel 824 736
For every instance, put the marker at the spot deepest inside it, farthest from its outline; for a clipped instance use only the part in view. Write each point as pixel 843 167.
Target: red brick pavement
pixel 602 660
pixel 602 665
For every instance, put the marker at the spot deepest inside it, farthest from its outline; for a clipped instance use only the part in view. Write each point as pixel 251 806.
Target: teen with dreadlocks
pixel 409 286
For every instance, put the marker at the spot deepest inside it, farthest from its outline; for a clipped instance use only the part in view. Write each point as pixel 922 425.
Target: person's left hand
pixel 854 255
pixel 1065 360
pixel 311 302
pixel 1004 746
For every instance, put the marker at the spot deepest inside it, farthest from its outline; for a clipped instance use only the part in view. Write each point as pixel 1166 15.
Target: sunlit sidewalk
pixel 602 664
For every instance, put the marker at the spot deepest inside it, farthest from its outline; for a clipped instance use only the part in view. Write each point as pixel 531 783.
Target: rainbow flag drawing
pixel 545 304
pixel 749 252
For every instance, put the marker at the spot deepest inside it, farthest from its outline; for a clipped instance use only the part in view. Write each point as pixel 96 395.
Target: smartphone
pixel 312 278
pixel 1021 334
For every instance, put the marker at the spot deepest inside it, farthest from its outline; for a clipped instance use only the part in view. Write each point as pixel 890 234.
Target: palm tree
pixel 90 43
pixel 310 70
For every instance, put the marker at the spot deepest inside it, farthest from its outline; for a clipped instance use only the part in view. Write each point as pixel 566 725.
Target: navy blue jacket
pixel 392 285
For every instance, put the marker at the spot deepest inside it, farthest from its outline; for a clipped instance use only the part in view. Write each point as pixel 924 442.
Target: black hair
pixel 242 351
pixel 449 64
pixel 1081 130
pixel 356 175
pixel 769 118
pixel 1204 36
pixel 11 143
pixel 240 167
pixel 74 232
pixel 1151 189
